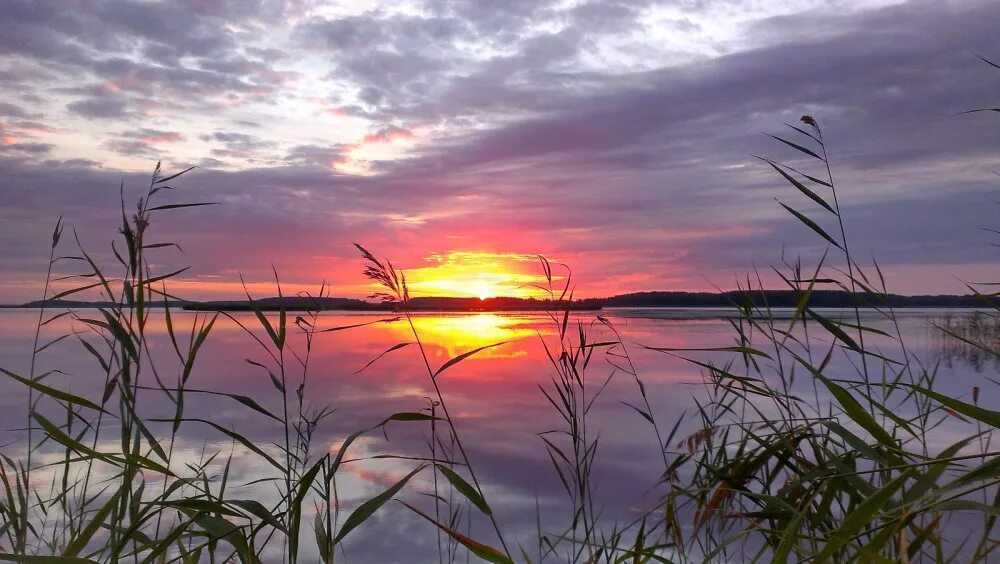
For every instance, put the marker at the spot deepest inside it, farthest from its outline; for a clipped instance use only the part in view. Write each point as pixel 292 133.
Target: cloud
pixel 143 142
pixel 240 145
pixel 158 136
pixel 319 155
pixel 613 135
pixel 388 134
pixel 109 106
pixel 30 148
pixel 12 110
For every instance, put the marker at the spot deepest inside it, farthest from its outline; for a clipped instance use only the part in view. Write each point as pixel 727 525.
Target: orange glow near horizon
pixel 477 275
pixel 462 274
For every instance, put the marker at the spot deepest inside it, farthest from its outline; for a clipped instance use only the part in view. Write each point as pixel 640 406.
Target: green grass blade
pixel 464 356
pixel 368 508
pixel 485 552
pixel 801 187
pixel 987 416
pixel 795 146
pixel 79 542
pixel 812 225
pixel 395 347
pixel 466 489
pixel 862 515
pixel 54 393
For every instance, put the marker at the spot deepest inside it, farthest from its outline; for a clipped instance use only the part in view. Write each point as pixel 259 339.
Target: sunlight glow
pixel 477 275
pixel 447 336
pixel 483 290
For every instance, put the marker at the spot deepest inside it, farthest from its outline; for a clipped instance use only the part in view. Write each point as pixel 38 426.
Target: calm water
pixel 493 396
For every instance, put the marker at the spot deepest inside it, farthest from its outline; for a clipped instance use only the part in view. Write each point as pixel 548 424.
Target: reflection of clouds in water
pixel 493 396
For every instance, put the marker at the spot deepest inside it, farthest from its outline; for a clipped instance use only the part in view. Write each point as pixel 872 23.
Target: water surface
pixel 493 396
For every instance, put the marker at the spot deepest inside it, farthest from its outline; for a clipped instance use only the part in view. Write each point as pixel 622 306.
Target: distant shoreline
pixel 695 300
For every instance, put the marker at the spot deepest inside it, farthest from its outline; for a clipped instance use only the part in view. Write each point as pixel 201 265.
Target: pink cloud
pixel 388 135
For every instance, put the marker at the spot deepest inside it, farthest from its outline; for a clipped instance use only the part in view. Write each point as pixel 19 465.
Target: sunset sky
pixel 461 138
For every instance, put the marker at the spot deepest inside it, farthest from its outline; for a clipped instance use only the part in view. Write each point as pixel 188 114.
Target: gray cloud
pixel 31 148
pixel 240 145
pixel 131 147
pixel 607 167
pixel 100 107
pixel 13 110
pixel 316 155
pixel 144 142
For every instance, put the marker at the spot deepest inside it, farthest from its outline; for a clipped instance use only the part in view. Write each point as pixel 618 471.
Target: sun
pixel 476 274
pixel 483 290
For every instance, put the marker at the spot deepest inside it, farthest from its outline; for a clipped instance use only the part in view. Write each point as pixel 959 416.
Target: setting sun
pixel 483 290
pixel 476 275
pixel 537 270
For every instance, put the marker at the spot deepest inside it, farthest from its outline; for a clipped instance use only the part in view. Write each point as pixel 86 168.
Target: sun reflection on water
pixel 450 335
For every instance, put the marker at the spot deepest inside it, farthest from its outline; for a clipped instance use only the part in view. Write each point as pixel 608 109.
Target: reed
pixel 850 474
pixel 119 492
pixel 813 437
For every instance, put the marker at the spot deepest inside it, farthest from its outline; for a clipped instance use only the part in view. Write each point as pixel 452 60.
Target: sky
pixel 461 138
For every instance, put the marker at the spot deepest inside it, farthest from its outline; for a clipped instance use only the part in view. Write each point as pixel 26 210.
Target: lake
pixel 493 396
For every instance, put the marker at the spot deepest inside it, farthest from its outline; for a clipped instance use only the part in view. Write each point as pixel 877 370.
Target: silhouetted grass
pixel 850 474
pixel 809 442
pixel 119 492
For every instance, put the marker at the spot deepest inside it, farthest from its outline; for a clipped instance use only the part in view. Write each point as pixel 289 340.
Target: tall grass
pixel 852 473
pixel 118 491
pixel 815 437
pixel 396 290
